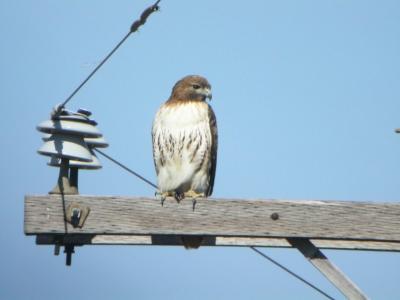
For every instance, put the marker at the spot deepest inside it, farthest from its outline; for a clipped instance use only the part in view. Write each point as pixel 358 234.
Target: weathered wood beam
pixel 332 220
pixel 349 289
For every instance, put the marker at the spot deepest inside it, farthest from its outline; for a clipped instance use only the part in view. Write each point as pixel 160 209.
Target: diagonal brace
pixel 328 269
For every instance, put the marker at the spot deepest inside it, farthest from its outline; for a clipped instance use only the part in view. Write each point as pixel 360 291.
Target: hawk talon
pixel 160 196
pixel 194 201
pixel 194 196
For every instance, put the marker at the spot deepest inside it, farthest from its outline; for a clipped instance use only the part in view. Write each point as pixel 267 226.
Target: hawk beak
pixel 207 93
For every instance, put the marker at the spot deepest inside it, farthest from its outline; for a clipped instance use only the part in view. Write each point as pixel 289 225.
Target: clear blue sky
pixel 306 95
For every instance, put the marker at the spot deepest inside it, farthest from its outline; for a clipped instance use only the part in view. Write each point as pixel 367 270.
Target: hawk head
pixel 191 88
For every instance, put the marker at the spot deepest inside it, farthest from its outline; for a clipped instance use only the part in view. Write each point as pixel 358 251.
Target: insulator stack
pixel 69 139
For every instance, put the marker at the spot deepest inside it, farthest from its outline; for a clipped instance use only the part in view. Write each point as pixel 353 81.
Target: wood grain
pixel 109 215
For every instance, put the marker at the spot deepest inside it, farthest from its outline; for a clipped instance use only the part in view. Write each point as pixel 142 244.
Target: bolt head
pixel 275 216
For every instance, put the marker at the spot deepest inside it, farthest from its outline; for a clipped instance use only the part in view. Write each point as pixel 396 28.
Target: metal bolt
pixel 274 216
pixel 75 217
pixel 69 250
pixel 57 249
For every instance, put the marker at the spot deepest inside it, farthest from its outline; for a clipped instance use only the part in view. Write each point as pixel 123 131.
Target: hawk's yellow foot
pixel 194 195
pixel 163 195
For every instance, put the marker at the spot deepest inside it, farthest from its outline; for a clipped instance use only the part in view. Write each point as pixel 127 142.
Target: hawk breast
pixel 182 146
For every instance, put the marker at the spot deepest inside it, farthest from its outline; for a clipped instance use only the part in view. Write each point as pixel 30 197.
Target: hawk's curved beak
pixel 207 93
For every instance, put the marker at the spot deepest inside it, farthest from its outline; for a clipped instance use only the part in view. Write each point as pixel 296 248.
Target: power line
pixel 95 70
pixel 292 273
pixel 134 27
pixel 125 168
pixel 253 248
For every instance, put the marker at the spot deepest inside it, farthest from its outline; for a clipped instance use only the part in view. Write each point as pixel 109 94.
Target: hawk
pixel 184 135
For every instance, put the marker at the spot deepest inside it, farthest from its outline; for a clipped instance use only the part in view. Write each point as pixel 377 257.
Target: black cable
pixel 95 70
pixel 292 273
pixel 134 27
pixel 125 168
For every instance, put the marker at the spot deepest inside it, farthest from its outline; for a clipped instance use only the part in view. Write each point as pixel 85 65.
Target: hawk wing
pixel 213 152
pixel 157 147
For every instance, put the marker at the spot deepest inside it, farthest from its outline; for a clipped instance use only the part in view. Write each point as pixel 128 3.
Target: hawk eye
pixel 196 86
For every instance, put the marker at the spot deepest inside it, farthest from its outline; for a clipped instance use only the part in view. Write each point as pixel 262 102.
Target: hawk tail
pixel 191 241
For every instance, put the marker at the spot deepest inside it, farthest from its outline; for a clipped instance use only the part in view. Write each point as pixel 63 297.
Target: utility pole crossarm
pixel 329 224
pixel 309 226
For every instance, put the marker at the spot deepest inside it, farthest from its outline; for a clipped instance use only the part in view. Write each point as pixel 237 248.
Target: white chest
pixel 182 116
pixel 181 146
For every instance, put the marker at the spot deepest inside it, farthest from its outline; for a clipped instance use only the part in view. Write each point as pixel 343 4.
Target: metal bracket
pixel 76 214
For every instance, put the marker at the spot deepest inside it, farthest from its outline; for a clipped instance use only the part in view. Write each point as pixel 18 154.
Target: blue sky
pixel 306 95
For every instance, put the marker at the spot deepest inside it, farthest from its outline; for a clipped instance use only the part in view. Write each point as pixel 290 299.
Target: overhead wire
pixel 126 168
pixel 95 70
pixel 134 27
pixel 291 273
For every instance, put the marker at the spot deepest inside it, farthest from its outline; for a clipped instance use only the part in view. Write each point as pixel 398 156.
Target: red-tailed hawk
pixel 185 144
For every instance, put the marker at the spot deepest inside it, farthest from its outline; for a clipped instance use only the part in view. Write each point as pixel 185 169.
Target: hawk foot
pixel 192 194
pixel 161 196
pixel 179 196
